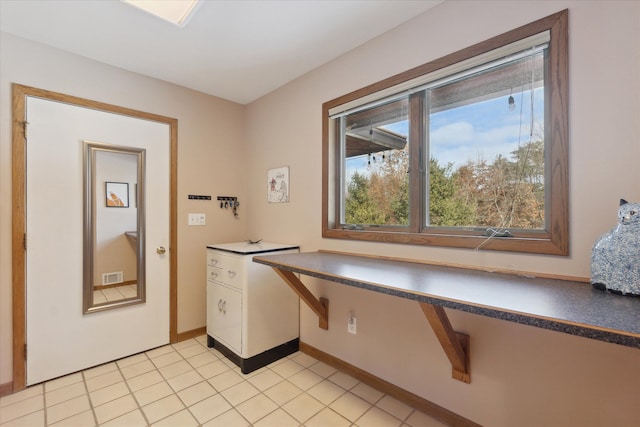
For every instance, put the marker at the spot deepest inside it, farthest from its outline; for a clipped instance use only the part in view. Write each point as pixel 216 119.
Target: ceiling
pixel 237 50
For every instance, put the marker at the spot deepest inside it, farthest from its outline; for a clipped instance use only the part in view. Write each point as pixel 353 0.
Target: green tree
pixel 448 206
pixel 359 206
pixel 508 193
pixel 389 186
pixel 400 203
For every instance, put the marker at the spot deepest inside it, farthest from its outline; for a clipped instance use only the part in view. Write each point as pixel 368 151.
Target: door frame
pixel 19 161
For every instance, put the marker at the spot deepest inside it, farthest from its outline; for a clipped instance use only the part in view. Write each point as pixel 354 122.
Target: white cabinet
pixel 224 314
pixel 252 315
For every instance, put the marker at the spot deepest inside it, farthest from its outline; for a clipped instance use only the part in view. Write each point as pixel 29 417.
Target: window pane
pixel 375 179
pixel 469 150
pixel 486 148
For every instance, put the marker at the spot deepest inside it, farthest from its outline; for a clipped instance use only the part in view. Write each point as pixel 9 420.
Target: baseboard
pixel 6 389
pixel 183 336
pixel 438 412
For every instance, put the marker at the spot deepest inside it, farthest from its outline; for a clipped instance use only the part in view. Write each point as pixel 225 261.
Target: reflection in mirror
pixel 114 256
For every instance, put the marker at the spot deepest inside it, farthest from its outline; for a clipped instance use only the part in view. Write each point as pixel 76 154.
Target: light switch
pixel 197 219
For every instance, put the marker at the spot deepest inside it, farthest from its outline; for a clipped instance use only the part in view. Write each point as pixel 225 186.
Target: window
pixel 467 151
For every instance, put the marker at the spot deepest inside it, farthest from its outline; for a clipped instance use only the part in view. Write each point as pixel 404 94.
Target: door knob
pixel 160 250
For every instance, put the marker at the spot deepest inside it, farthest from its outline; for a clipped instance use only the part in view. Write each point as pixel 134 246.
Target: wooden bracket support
pixel 318 306
pixel 454 344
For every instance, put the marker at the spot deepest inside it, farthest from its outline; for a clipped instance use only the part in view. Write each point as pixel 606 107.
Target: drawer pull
pixel 214 274
pixel 222 306
pixel 213 261
pixel 231 274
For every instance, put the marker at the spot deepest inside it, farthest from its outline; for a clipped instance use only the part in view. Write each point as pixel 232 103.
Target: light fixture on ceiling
pixel 177 12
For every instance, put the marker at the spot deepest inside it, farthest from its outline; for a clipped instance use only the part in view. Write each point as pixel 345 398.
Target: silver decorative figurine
pixel 615 259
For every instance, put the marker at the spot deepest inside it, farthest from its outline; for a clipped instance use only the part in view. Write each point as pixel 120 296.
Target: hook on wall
pixel 227 202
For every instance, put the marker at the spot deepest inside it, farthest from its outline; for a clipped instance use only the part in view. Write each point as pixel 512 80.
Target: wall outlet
pixel 197 219
pixel 352 324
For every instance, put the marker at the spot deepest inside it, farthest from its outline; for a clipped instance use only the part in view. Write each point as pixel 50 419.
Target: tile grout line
pixel 188 408
pixel 44 405
pixel 306 392
pixel 233 407
pixel 346 385
pixel 260 392
pixel 166 380
pixel 126 383
pixel 86 389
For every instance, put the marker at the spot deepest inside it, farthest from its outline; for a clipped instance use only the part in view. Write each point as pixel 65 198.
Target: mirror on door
pixel 114 256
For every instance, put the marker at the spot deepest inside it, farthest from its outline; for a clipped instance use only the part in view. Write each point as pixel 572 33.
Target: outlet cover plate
pixel 352 325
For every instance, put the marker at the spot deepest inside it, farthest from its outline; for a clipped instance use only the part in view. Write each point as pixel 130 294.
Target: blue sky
pixel 483 130
pixel 476 131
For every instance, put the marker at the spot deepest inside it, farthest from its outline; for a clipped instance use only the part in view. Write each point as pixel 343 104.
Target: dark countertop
pixel 559 305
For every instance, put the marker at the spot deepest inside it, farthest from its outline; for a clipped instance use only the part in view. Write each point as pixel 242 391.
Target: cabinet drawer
pixel 213 258
pixel 214 273
pixel 227 269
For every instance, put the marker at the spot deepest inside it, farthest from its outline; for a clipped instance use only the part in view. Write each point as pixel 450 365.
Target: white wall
pixel 520 375
pixel 210 137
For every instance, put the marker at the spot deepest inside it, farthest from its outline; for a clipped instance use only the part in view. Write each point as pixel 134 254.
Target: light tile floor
pixel 115 294
pixel 188 384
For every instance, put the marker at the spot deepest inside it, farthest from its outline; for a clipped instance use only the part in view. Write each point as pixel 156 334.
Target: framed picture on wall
pixel 278 185
pixel 116 194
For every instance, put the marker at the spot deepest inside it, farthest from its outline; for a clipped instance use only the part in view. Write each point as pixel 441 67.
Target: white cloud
pixel 460 142
pixel 453 134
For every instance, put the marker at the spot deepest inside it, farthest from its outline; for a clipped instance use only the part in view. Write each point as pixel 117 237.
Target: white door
pixel 60 339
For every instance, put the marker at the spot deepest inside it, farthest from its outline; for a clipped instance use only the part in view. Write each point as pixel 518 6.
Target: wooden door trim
pixel 19 94
pixel 17 239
